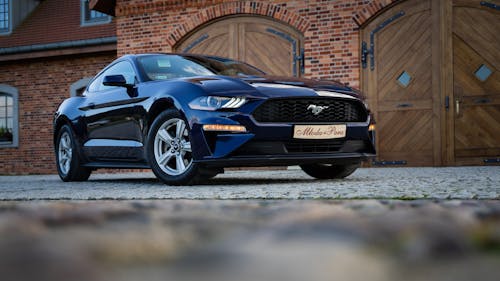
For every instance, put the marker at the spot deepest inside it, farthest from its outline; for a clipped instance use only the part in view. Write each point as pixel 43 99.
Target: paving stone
pixel 365 183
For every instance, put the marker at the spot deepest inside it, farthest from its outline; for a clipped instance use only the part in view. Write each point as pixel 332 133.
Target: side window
pixel 9 127
pixel 94 86
pixel 124 68
pixel 5 15
pixel 90 17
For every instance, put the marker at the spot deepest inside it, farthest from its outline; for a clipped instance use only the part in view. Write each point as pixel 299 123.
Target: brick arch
pixel 371 10
pixel 238 8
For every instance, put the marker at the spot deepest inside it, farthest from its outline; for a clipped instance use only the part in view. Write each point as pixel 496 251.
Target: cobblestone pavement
pixel 396 183
pixel 226 240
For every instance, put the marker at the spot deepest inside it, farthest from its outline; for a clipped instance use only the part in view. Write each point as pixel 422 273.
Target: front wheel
pixel 69 167
pixel 329 171
pixel 169 150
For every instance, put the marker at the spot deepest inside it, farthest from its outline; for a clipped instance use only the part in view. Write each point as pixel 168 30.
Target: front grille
pixel 295 110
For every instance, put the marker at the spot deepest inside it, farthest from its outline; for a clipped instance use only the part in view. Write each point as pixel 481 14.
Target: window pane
pixel 4 15
pixel 404 79
pixel 7 118
pixel 483 72
pixel 10 124
pixel 90 16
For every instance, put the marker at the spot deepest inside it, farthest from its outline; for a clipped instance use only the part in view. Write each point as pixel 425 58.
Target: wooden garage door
pixel 269 45
pixel 476 82
pixel 398 77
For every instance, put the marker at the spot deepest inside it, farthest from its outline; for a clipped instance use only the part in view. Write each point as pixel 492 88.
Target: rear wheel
pixel 68 163
pixel 169 150
pixel 329 171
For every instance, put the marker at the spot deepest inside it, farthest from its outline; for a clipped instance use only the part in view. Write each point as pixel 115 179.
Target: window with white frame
pixel 8 116
pixel 4 16
pixel 91 17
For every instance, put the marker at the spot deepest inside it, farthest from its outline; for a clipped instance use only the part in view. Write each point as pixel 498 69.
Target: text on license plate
pixel 319 131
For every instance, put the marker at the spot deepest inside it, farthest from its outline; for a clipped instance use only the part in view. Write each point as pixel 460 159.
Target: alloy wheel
pixel 172 148
pixel 65 153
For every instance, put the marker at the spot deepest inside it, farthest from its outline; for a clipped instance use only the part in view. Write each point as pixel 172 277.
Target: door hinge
pixel 364 54
pixel 301 60
pixel 492 160
pixel 371 51
pixel 490 5
pixel 447 103
pixel 389 163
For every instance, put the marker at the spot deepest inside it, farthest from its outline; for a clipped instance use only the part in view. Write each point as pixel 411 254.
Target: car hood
pixel 270 86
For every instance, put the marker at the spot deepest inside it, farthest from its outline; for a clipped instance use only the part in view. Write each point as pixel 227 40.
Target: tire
pixel 329 171
pixel 68 161
pixel 169 150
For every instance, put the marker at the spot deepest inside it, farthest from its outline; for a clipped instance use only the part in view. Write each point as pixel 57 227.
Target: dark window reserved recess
pixel 6 118
pixel 91 17
pixel 4 16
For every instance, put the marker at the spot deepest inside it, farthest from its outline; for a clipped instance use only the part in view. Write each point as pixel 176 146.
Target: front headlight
pixel 214 103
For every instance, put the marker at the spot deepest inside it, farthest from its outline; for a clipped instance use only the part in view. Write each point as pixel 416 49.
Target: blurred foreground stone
pixel 250 240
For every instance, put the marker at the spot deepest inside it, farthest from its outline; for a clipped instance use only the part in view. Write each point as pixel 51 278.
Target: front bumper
pixel 269 144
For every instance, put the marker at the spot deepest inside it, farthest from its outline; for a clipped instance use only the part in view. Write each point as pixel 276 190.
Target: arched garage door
pixel 263 42
pixel 475 124
pixel 430 69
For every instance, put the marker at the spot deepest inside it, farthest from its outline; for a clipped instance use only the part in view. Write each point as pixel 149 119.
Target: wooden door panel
pixel 479 28
pixel 271 58
pixel 476 114
pixel 216 46
pixel 214 40
pixel 406 131
pixel 264 43
pixel 404 112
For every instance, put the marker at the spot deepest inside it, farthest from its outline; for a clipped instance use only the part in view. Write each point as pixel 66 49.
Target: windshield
pixel 162 67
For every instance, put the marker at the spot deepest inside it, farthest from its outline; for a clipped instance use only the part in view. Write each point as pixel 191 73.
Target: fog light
pixel 224 128
pixel 371 127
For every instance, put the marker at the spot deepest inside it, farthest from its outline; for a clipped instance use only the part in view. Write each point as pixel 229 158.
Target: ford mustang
pixel 187 117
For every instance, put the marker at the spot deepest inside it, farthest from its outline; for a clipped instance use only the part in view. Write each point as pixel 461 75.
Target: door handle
pixel 457 106
pixel 482 101
pixel 91 105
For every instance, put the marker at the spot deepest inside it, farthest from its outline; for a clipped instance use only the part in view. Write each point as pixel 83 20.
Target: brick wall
pixel 331 42
pixel 330 28
pixel 43 84
pixel 55 21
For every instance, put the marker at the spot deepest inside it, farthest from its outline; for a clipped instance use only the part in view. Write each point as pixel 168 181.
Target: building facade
pixel 48 51
pixel 429 68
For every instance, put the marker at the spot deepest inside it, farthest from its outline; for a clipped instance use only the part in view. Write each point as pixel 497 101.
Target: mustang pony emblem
pixel 316 109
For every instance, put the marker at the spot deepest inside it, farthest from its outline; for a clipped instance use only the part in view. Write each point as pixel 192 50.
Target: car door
pixel 113 118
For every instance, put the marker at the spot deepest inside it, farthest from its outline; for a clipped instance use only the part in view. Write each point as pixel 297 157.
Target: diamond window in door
pixel 483 72
pixel 404 79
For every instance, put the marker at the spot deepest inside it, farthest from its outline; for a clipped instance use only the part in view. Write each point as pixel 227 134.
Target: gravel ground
pixel 365 183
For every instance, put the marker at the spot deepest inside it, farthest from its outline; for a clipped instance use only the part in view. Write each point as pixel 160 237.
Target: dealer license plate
pixel 319 131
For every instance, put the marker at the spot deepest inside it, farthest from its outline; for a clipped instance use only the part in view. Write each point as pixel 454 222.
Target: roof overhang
pixel 103 6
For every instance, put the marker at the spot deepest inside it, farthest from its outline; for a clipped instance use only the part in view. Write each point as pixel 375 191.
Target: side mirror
pixel 119 81
pixel 115 80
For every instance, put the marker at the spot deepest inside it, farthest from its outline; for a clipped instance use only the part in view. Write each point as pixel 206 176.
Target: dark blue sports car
pixel 189 116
